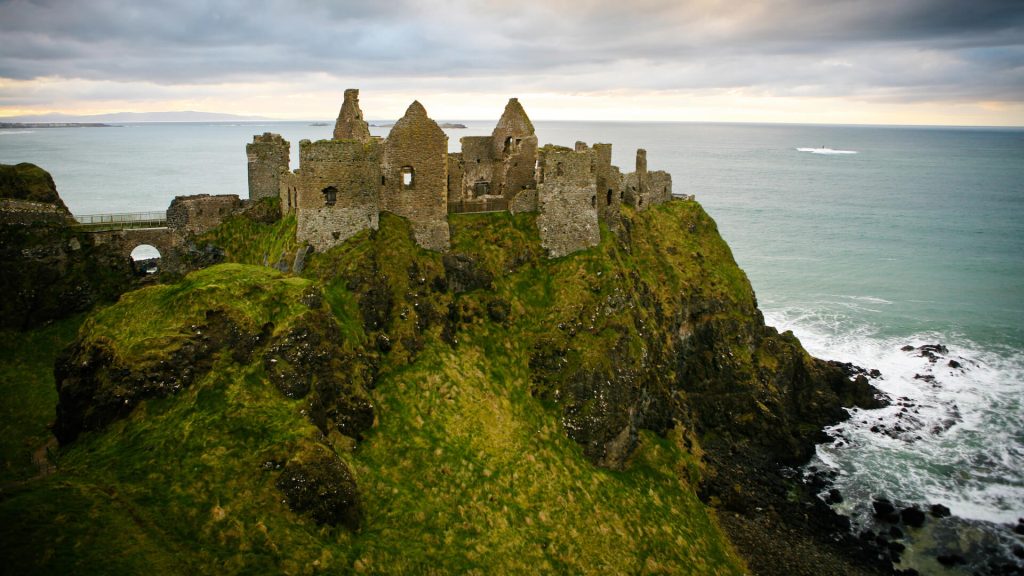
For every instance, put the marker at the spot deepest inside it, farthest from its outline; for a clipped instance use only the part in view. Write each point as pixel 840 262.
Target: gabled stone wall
pixel 514 149
pixel 415 176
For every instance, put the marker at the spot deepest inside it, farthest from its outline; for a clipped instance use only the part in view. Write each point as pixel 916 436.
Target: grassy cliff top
pixel 497 412
pixel 28 182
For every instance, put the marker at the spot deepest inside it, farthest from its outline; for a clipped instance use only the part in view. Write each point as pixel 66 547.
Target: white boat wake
pixel 825 151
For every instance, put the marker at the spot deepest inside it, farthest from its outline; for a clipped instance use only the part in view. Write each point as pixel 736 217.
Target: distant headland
pixel 24 125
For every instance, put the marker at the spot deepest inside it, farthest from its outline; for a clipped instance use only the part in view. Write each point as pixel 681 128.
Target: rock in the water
pixel 913 516
pixel 883 509
pixel 939 511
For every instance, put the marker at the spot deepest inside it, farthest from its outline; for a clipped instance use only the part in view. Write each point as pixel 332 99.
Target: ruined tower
pixel 350 124
pixel 643 189
pixel 608 181
pixel 268 158
pixel 514 149
pixel 567 198
pixel 414 179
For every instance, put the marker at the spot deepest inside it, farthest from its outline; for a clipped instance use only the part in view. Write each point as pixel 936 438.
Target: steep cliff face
pixel 403 411
pixel 48 270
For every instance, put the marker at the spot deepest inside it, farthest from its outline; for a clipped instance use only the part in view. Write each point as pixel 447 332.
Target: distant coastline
pixel 23 125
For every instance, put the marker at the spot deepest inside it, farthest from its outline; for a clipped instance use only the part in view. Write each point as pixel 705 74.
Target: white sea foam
pixel 952 435
pixel 6 132
pixel 825 151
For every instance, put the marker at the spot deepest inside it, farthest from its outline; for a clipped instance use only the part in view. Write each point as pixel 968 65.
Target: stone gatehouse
pixel 342 184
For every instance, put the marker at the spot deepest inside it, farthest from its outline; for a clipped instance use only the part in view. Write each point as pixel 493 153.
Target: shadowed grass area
pixel 28 392
pixel 467 469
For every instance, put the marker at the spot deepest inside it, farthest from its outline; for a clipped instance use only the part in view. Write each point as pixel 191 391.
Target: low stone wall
pixel 327 226
pixel 27 213
pixel 194 215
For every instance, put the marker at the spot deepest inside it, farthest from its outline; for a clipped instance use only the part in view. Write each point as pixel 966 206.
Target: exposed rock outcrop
pixel 48 268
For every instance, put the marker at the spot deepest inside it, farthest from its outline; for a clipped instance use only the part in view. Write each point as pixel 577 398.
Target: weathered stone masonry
pixel 268 157
pixel 343 184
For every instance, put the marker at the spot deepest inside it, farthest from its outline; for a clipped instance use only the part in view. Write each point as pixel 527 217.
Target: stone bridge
pixel 125 241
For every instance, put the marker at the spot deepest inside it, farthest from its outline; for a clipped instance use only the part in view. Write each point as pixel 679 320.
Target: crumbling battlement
pixel 268 157
pixel 193 215
pixel 350 124
pixel 643 189
pixel 343 184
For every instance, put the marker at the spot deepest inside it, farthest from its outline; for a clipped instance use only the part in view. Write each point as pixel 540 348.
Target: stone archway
pixel 124 242
pixel 145 259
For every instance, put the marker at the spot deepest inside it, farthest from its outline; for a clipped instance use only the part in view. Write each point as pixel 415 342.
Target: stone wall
pixel 350 124
pixel 478 168
pixel 659 187
pixel 28 212
pixel 336 190
pixel 514 149
pixel 193 215
pixel 268 158
pixel 524 201
pixel 342 184
pixel 643 189
pixel 567 199
pixel 608 181
pixel 415 176
pixel 456 169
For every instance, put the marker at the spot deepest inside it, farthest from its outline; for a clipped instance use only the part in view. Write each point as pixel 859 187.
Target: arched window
pixel 330 195
pixel 408 178
pixel 593 201
pixel 608 202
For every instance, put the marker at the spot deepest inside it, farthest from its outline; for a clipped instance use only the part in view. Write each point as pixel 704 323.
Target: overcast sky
pixel 844 61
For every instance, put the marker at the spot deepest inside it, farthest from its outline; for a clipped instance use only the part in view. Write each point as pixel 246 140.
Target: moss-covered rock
pixel 317 483
pixel 29 182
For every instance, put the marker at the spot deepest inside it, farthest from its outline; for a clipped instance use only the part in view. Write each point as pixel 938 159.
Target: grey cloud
pixel 907 49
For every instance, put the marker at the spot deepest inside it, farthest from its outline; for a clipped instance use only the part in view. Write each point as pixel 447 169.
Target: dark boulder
pixel 463 274
pixel 913 516
pixel 939 511
pixel 318 484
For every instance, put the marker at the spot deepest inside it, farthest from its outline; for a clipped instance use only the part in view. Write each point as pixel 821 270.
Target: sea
pixel 868 242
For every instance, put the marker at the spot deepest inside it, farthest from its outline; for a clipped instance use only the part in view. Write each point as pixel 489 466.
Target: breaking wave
pixel 952 435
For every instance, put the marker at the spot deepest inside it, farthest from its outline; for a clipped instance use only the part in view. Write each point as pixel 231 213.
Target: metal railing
pixel 474 206
pixel 122 221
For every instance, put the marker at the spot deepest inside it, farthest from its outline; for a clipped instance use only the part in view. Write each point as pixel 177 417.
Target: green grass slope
pixel 528 415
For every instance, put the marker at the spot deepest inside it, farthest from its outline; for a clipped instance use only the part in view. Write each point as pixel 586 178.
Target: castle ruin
pixel 342 184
